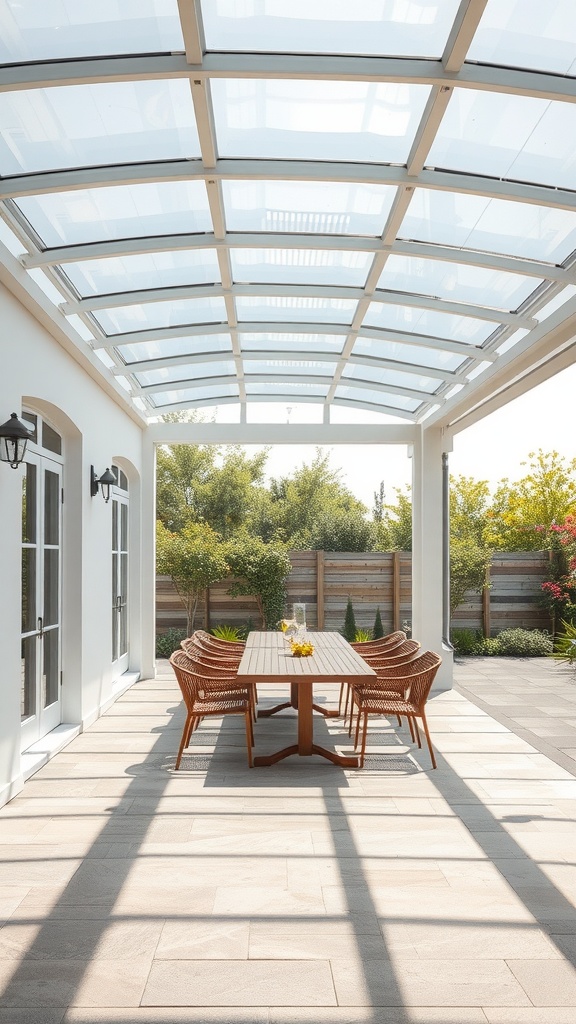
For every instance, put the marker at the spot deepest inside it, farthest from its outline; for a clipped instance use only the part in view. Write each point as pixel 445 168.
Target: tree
pixel 394 530
pixel 208 484
pixel 545 495
pixel 312 492
pixel 194 559
pixel 336 529
pixel 468 564
pixel 469 505
pixel 260 570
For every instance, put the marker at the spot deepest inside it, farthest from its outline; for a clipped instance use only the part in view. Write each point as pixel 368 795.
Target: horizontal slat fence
pixel 375 579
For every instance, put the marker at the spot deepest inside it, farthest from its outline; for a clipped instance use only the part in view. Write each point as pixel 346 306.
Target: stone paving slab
pixel 301 893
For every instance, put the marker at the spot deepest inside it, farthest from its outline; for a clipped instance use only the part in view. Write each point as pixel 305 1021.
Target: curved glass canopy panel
pixel 245 203
pixel 413 28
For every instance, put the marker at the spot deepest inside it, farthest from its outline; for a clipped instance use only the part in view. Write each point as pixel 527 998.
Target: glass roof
pixel 233 201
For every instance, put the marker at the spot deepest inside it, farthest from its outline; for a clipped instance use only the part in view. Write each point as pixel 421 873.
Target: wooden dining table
pixel 267 658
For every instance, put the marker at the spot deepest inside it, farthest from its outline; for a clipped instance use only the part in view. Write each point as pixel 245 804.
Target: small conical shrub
pixel 378 630
pixel 349 631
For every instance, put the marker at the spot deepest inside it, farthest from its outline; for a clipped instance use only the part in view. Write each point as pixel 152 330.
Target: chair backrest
pixel 187 679
pixel 383 643
pixel 406 651
pixel 207 665
pixel 421 684
pixel 230 647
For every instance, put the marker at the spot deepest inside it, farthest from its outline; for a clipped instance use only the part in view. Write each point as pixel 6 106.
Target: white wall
pixel 38 374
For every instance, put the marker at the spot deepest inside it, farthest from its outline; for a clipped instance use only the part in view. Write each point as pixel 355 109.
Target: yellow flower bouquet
pixel 301 648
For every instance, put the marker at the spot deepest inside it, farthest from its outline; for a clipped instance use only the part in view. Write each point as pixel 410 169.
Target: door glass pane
pixel 124 577
pixel 114 529
pixel 29 505
pixel 51 508
pixel 51 586
pixel 123 529
pixel 50 668
pixel 28 589
pixel 28 676
pixel 123 648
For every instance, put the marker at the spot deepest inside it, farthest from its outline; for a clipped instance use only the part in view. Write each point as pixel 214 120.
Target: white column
pixel 148 558
pixel 427 548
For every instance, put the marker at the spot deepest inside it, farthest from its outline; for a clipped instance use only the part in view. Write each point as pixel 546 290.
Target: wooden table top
pixel 267 658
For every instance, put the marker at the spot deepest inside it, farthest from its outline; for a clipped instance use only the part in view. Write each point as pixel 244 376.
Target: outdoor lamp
pixel 103 483
pixel 14 436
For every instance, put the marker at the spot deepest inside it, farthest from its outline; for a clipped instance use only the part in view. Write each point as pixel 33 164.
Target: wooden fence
pixel 374 579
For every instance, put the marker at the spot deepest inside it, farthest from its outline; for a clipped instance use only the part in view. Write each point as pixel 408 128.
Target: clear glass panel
pixel 29 505
pixel 417 355
pixel 151 315
pixel 316 120
pixel 188 372
pixel 300 266
pixel 377 398
pixel 555 303
pixel 28 678
pixel 145 270
pixel 393 377
pixel 51 440
pixel 51 673
pixel 51 508
pixel 56 29
pixel 118 211
pixel 289 367
pixel 412 28
pixel 527 34
pixel 319 207
pixel 167 347
pixel 518 137
pixel 115 539
pixel 28 590
pixel 457 281
pixel 291 342
pixel 91 125
pixel 490 225
pixel 124 530
pixel 192 395
pixel 295 309
pixel 51 586
pixel 278 390
pixel 429 322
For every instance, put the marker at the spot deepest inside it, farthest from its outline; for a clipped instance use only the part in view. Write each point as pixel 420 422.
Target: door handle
pixel 40 625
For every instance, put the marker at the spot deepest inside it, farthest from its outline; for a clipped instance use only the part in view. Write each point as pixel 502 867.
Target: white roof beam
pixel 192 30
pixel 287 66
pixel 462 32
pixel 289 170
pixel 425 341
pixel 258 240
pixel 282 433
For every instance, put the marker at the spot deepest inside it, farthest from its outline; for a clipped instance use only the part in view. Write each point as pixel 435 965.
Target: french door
pixel 40 705
pixel 119 583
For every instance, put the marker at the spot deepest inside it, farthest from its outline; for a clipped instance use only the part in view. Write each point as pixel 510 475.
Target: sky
pixel 491 449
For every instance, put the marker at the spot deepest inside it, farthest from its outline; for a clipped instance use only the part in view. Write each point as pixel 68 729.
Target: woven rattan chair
pixel 401 655
pixel 215 663
pixel 416 678
pixel 367 649
pixel 203 700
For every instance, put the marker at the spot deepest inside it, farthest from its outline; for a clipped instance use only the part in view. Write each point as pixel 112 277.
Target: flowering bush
pixel 559 592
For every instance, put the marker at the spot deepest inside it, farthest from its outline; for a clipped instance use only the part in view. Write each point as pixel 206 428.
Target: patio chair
pixel 364 648
pixel 400 655
pixel 216 663
pixel 202 701
pixel 411 684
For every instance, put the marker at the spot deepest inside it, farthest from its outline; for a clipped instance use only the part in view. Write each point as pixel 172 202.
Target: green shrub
pixel 465 641
pixel 510 643
pixel 227 633
pixel 349 631
pixel 524 643
pixel 565 644
pixel 378 630
pixel 168 642
pixel 362 635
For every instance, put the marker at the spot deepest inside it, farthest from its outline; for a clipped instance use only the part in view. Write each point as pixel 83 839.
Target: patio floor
pixel 301 893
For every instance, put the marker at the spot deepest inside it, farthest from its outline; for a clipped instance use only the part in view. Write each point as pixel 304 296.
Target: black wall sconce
pixel 103 483
pixel 14 436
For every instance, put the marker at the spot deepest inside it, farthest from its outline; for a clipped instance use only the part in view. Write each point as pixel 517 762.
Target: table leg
pixel 292 703
pixel 306 746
